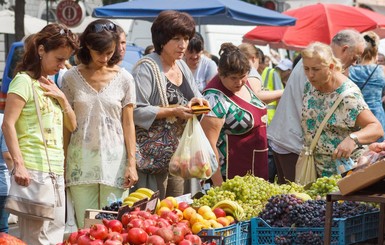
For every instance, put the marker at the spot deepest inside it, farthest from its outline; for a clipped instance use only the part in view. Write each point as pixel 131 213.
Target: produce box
pixel 89 216
pixel 143 204
pixel 229 234
pixel 362 178
pixel 344 231
pixel 235 234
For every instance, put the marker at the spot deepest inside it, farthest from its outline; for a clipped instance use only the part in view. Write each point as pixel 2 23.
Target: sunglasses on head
pixel 107 26
pixel 370 40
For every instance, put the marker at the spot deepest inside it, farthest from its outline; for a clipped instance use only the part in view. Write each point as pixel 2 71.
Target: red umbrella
pixel 317 22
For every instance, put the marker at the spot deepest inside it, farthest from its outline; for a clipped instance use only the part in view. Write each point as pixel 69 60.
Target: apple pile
pixel 196 219
pixel 187 167
pixel 138 227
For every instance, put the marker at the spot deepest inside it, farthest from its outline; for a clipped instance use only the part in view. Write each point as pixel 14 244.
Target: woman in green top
pixel 45 54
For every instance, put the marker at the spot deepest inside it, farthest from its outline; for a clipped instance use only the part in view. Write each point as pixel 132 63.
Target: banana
pixel 146 191
pixel 138 195
pixel 230 207
pixel 131 199
pixel 129 203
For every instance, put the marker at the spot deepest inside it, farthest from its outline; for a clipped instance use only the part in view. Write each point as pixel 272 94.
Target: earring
pixel 40 57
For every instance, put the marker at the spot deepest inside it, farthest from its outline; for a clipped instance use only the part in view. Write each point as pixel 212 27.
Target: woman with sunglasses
pixel 100 157
pixel 173 85
pixel 45 54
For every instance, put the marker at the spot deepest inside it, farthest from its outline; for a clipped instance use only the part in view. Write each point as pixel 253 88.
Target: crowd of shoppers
pixel 113 127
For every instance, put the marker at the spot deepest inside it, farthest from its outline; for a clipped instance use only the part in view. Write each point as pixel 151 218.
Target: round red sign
pixel 70 13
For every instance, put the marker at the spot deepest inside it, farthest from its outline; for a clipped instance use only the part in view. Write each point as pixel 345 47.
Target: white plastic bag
pixel 194 157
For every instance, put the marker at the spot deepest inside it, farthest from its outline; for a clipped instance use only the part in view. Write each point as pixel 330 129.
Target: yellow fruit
pixel 127 203
pixel 138 195
pixel 209 215
pixel 146 191
pixel 302 196
pixel 203 209
pixel 188 212
pixel 230 219
pixel 197 227
pixel 131 199
pixel 173 200
pixel 195 217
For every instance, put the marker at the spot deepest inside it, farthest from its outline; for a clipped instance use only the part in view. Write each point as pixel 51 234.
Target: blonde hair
pixel 249 50
pixel 371 48
pixel 324 53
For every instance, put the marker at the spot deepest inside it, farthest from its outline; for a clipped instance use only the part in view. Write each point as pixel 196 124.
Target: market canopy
pixel 205 12
pixel 317 22
pixel 31 24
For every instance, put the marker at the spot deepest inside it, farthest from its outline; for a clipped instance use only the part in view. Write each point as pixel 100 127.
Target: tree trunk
pixel 19 19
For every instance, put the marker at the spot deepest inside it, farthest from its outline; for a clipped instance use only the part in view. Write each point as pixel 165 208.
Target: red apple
pixel 183 205
pixel 219 212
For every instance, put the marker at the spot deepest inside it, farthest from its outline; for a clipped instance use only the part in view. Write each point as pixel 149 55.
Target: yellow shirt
pixel 28 129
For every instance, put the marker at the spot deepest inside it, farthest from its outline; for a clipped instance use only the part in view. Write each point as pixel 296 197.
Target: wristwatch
pixel 355 138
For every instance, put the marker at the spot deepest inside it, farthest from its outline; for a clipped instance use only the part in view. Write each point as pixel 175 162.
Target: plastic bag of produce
pixel 194 157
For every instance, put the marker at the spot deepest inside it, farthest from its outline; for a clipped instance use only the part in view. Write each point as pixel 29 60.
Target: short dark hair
pixel 99 40
pixel 196 43
pixel 52 37
pixel 169 24
pixel 232 60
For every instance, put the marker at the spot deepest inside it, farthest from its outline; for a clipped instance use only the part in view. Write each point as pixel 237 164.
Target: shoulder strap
pixel 158 78
pixel 41 124
pixel 328 115
pixel 367 80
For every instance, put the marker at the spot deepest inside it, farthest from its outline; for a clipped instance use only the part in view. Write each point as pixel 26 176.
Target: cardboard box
pixel 89 216
pixel 362 178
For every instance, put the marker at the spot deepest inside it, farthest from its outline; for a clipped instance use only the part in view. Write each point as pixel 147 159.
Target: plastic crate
pixel 244 232
pixel 344 231
pixel 228 233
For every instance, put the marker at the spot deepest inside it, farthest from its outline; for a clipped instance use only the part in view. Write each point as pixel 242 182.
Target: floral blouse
pixel 97 152
pixel 237 120
pixel 342 122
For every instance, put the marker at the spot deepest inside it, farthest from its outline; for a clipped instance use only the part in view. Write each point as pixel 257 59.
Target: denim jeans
pixel 3 215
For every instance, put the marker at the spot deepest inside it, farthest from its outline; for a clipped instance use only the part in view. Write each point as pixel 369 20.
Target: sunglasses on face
pixel 107 27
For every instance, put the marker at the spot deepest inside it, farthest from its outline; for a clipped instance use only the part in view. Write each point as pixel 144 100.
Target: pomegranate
pixel 125 219
pixel 115 236
pixel 196 240
pixel 166 233
pixel 151 229
pixel 84 239
pixel 144 214
pixel 162 223
pixel 178 234
pixel 99 231
pixel 137 236
pixel 135 223
pixel 113 225
pixel 155 240
pixel 185 242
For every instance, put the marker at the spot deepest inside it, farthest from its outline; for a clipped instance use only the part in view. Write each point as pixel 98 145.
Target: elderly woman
pixel 165 92
pixel 352 123
pixel 236 127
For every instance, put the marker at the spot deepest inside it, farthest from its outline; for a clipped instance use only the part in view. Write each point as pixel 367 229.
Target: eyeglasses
pixel 108 27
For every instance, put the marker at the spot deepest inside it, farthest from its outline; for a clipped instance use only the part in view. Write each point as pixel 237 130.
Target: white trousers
pixel 39 232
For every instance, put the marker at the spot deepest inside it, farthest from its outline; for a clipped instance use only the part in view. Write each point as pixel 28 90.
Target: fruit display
pixel 137 195
pixel 323 186
pixel 249 192
pixel 287 210
pixel 138 227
